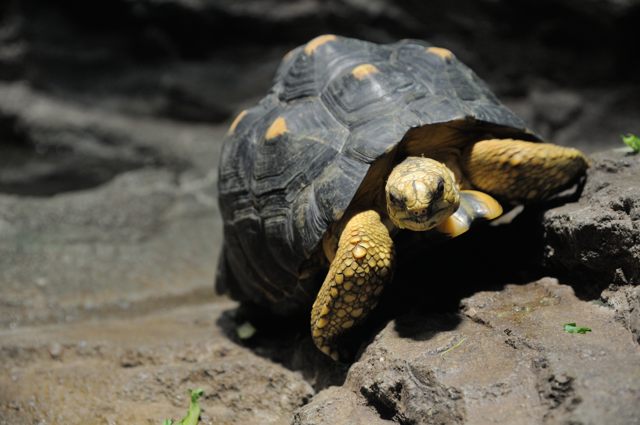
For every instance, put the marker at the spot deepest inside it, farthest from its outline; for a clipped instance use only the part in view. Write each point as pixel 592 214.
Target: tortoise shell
pixel 292 165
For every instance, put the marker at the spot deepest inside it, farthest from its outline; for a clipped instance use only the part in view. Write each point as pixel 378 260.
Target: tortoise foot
pixel 362 265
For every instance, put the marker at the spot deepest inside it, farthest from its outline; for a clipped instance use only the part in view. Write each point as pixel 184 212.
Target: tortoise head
pixel 421 193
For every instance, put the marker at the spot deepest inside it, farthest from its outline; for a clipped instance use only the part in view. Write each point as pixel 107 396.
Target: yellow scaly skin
pixel 521 171
pixel 363 264
pixel 422 194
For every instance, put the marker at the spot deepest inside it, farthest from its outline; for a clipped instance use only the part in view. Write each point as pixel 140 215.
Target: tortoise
pixel 354 143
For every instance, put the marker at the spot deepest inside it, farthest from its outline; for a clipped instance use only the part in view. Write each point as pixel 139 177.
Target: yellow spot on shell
pixel 276 129
pixel 236 121
pixel 348 272
pixel 321 323
pixel 325 310
pixel 445 54
pixel 364 70
pixel 338 279
pixel 360 281
pixel 348 324
pixel 372 262
pixel 341 313
pixel 316 332
pixel 317 42
pixel 334 293
pixel 359 252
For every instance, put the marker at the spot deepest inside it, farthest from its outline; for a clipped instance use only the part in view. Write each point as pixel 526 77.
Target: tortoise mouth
pixel 424 218
pixel 418 225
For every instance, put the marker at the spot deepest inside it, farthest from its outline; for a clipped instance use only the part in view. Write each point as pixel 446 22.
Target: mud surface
pixel 112 115
pixel 139 370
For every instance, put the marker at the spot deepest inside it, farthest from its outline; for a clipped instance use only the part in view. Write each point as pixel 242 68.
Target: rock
pixel 555 108
pixel 141 240
pixel 625 300
pixel 100 212
pixel 12 42
pixel 139 57
pixel 509 362
pixel 338 406
pixel 55 350
pixel 42 135
pixel 595 241
pixel 409 393
pixel 582 118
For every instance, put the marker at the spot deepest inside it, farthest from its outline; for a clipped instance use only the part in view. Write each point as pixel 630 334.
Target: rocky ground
pixel 111 120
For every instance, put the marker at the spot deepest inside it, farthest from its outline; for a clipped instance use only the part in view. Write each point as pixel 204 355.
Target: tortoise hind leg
pixel 362 265
pixel 522 171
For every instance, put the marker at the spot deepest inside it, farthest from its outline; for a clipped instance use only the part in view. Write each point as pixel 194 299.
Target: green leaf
pixel 632 141
pixel 245 331
pixel 194 410
pixel 573 329
pixel 195 395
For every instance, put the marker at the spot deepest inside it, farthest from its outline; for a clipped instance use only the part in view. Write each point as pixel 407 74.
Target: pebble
pixel 55 350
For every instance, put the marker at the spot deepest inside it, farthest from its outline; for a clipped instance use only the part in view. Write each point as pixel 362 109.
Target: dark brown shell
pixel 290 166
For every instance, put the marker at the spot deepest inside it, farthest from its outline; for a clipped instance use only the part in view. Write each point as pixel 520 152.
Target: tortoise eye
pixel 395 199
pixel 440 188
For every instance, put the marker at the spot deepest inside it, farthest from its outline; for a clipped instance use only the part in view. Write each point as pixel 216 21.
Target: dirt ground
pixel 138 370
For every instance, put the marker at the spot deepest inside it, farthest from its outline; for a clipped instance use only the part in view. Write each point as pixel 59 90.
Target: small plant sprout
pixel 632 141
pixel 573 329
pixel 193 414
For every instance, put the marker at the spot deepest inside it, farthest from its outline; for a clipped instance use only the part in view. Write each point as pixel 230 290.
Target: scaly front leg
pixel 362 265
